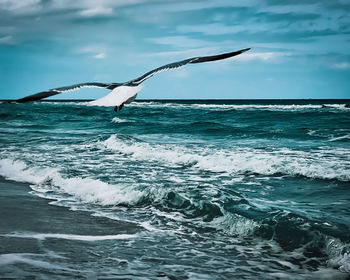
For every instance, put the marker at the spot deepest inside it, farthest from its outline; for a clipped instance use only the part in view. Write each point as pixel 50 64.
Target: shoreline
pixel 26 212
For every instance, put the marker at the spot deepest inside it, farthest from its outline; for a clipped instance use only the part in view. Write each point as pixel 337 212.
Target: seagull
pixel 125 93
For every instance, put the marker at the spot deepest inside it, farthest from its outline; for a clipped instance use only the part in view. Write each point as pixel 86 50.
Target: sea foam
pixel 29 259
pixel 259 107
pixel 318 164
pixel 89 238
pixel 84 189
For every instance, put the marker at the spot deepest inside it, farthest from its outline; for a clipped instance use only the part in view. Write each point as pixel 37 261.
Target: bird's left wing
pixel 54 91
pixel 181 63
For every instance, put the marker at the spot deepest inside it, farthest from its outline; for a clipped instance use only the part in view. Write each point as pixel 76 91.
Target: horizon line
pixel 197 99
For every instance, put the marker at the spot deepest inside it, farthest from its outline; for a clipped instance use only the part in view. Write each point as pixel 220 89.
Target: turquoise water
pixel 175 190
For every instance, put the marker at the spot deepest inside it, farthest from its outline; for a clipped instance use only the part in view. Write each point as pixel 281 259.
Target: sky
pixel 299 49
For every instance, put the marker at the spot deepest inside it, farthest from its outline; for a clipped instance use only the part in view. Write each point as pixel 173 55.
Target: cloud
pixel 100 56
pixel 274 24
pixel 225 29
pixel 328 17
pixel 184 54
pixel 291 8
pixel 178 41
pixel 186 47
pixel 185 6
pixel 20 7
pixel 314 45
pixel 95 51
pixel 97 11
pixel 270 57
pixel 211 29
pixel 341 66
pixel 85 8
pixel 6 40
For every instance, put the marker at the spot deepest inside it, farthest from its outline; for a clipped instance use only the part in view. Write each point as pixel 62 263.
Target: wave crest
pixel 262 107
pixel 84 189
pixel 320 164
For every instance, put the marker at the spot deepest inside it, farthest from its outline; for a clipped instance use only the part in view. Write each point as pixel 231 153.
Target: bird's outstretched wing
pixel 55 91
pixel 134 82
pixel 181 63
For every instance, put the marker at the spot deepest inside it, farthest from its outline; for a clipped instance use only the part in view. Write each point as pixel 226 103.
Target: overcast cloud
pixel 303 46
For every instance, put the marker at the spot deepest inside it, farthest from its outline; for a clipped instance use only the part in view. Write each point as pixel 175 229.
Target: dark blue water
pixel 175 190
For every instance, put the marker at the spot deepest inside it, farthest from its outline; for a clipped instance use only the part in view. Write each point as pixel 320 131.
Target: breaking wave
pixel 88 238
pixel 251 190
pixel 263 107
pixel 46 180
pixel 320 164
pixel 184 214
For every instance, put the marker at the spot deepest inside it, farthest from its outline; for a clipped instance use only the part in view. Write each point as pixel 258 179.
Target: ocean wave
pixel 340 138
pixel 29 259
pixel 234 224
pixel 339 254
pixel 120 120
pixel 55 103
pixel 275 229
pixel 318 164
pixel 263 107
pixel 50 184
pixel 89 238
pixel 19 171
pixel 224 107
pixel 87 190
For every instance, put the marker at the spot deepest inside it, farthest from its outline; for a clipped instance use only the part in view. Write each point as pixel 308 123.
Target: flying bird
pixel 125 93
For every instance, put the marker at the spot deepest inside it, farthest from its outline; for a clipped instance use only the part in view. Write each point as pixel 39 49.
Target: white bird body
pixel 118 96
pixel 125 93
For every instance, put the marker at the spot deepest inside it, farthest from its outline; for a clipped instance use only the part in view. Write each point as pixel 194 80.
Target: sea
pixel 175 189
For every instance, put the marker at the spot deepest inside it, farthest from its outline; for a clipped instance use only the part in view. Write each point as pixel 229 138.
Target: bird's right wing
pixel 59 90
pixel 178 64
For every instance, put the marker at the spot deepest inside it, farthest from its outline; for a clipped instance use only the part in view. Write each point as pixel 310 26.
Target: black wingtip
pixel 240 51
pixel 218 56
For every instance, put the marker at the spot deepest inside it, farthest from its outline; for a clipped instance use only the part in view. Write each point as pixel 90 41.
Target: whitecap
pixel 120 120
pixel 89 238
pixel 8 259
pixel 339 254
pixel 18 170
pixel 321 164
pixel 84 189
pixel 234 224
pixel 311 132
pixel 347 136
pixel 263 107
